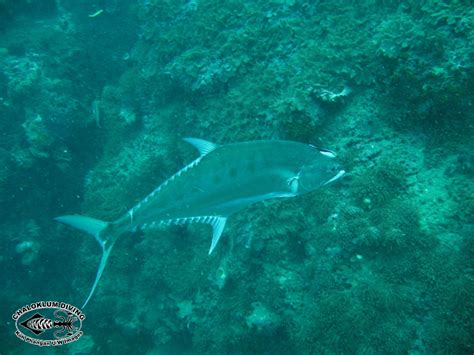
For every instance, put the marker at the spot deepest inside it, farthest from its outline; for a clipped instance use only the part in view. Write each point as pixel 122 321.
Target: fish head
pixel 322 169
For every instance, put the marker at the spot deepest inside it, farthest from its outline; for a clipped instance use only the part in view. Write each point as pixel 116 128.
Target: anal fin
pixel 218 224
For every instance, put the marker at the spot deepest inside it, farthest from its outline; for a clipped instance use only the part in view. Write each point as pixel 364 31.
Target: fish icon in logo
pixel 38 324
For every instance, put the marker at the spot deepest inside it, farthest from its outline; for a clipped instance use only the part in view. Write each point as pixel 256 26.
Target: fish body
pixel 225 180
pixel 221 181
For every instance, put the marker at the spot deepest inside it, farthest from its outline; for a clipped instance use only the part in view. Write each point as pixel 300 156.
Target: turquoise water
pixel 95 98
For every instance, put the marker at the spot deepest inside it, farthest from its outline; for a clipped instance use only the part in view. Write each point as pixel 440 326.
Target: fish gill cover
pixel 95 97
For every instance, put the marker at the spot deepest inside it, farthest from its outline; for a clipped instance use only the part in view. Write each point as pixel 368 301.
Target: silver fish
pixel 221 181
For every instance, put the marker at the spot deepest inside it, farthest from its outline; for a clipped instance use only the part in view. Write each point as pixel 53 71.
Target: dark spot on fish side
pixel 216 179
pixel 251 166
pixel 233 172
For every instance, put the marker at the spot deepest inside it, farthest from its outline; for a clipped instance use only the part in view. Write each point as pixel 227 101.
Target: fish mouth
pixel 336 177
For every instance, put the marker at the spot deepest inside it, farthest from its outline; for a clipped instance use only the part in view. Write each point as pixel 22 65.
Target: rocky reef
pixel 93 106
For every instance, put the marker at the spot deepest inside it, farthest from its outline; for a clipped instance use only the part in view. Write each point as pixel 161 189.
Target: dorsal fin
pixel 202 145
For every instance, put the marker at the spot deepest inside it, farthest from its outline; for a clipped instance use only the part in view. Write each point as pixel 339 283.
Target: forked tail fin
pixel 98 229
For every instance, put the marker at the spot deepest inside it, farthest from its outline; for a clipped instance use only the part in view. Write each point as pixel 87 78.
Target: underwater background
pixel 95 98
